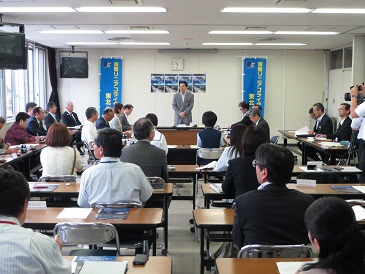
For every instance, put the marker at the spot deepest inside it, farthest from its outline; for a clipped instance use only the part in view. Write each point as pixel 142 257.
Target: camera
pixel 360 97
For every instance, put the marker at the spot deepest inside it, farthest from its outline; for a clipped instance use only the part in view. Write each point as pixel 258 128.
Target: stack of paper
pixel 211 165
pixel 330 144
pixel 302 131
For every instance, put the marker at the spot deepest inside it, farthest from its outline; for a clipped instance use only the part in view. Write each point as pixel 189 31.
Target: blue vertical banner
pixel 254 79
pixel 110 82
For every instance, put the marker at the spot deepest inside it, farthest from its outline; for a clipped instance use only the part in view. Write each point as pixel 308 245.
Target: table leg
pixel 304 156
pixel 166 216
pixel 202 260
pixel 154 234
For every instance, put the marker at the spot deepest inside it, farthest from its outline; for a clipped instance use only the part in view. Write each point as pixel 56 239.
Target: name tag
pixel 37 204
pixel 306 182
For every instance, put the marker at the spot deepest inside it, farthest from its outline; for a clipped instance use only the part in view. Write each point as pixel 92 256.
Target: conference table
pixel 138 219
pixel 158 264
pixel 332 151
pixel 254 265
pixel 318 191
pixel 72 190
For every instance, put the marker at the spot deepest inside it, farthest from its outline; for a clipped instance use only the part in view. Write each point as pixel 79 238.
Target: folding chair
pixel 275 139
pixel 156 182
pixel 275 251
pixel 92 234
pixel 90 152
pixel 58 178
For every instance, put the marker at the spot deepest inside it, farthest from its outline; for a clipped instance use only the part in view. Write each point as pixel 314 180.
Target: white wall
pixel 295 80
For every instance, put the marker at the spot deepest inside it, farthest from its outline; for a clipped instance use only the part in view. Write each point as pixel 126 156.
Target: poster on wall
pixel 254 79
pixel 110 82
pixel 169 83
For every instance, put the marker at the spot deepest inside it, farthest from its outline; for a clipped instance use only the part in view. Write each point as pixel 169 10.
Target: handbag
pixel 73 165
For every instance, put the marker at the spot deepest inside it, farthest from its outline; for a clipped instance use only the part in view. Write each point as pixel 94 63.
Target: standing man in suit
pixel 70 119
pixel 151 159
pixel 256 118
pixel 182 104
pixel 127 110
pixel 244 108
pixel 35 123
pixel 276 213
pixel 105 118
pixel 52 116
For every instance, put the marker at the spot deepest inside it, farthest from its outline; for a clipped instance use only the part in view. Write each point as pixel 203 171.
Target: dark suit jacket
pixel 273 215
pixel 67 119
pixel 151 159
pixel 34 129
pixel 245 121
pixel 49 120
pixel 125 124
pixel 240 176
pixel 343 132
pixel 265 125
pixel 325 126
pixel 101 123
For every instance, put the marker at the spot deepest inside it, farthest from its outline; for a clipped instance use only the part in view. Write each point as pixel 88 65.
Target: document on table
pixel 360 188
pixel 359 212
pixel 290 267
pixel 74 213
pixel 302 131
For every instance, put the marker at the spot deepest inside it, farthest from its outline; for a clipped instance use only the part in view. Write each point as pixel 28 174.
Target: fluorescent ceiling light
pixel 307 32
pixel 267 10
pixel 240 32
pixel 280 44
pixel 120 9
pixel 144 43
pixel 227 44
pixel 67 31
pixel 344 11
pixel 137 32
pixel 91 43
pixel 37 9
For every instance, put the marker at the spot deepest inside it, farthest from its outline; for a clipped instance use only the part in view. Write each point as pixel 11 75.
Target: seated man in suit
pixel 127 110
pixel 112 181
pixel 52 116
pixel 256 118
pixel 35 123
pixel 244 108
pixel 105 118
pixel 272 214
pixel 151 159
pixel 29 108
pixel 23 250
pixel 70 119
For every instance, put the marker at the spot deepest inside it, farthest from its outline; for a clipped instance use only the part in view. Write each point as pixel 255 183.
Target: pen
pixel 39 186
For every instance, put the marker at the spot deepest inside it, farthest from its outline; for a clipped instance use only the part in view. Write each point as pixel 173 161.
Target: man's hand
pixel 310 131
pixel 182 114
pixel 58 241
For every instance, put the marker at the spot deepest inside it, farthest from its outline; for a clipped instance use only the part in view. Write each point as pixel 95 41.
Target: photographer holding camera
pixel 358 111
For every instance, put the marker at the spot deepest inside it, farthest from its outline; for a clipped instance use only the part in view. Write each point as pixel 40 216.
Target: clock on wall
pixel 177 64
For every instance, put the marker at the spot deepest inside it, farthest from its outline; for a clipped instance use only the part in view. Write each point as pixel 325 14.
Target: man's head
pixel 344 110
pixel 311 114
pixel 22 119
pixel 128 108
pixel 274 164
pixel 153 118
pixel 318 109
pixel 38 113
pixel 108 143
pixel 143 129
pixel 244 107
pixel 91 114
pixel 29 107
pixel 14 194
pixel 51 107
pixel 108 113
pixel 118 108
pixel 209 118
pixel 257 107
pixel 69 106
pixel 2 122
pixel 255 115
pixel 183 85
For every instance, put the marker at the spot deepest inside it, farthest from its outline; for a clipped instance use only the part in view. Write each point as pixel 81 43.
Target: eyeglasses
pixel 254 163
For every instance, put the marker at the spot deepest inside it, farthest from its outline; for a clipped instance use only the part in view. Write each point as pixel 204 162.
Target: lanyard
pixel 107 162
pixel 8 222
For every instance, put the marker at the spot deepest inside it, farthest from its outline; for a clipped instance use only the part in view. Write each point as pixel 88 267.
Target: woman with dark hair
pixel 241 175
pixel 58 158
pixel 333 231
pixel 233 151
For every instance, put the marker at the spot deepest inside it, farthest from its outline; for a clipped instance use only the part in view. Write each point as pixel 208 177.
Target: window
pixel 341 58
pixel 17 87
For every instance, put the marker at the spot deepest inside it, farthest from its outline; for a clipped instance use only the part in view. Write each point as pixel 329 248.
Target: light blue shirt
pixel 263 185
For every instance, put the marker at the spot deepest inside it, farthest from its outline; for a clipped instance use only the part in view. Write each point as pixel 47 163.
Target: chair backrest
pixel 156 182
pixel 274 139
pixel 323 177
pixel 209 153
pixel 58 178
pixel 275 251
pixel 87 233
pixel 122 204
